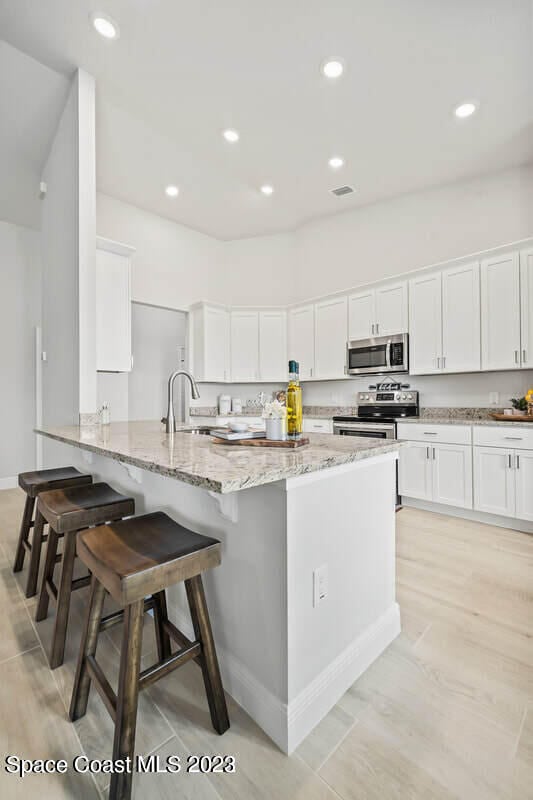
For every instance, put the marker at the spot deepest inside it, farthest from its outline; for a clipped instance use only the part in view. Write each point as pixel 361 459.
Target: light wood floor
pixel 446 712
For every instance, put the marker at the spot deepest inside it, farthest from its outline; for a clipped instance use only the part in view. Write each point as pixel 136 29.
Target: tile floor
pixel 446 712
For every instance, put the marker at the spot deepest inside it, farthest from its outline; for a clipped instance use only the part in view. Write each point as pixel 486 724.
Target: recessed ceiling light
pixel 465 110
pixel 172 191
pixel 105 26
pixel 267 189
pixel 336 162
pixel 231 135
pixel 332 68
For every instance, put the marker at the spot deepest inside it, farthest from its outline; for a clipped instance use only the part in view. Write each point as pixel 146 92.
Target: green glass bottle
pixel 294 402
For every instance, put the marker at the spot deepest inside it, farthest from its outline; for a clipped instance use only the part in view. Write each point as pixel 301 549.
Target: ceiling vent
pixel 342 190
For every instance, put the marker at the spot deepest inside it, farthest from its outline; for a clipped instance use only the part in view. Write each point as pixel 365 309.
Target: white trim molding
pixel 9 483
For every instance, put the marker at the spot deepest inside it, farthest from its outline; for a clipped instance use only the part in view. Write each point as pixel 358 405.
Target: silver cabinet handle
pixel 377 327
pixel 311 372
pixel 509 462
pixel 517 461
pixel 427 452
pixel 373 326
pixel 513 438
pixel 433 453
pixel 430 433
pixel 438 362
pixel 524 356
pixel 443 362
pixel 516 356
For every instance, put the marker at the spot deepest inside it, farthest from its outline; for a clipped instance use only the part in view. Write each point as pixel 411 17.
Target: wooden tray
pixel 512 417
pixel 290 444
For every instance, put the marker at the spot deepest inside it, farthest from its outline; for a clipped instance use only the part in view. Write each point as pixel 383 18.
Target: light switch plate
pixel 320 584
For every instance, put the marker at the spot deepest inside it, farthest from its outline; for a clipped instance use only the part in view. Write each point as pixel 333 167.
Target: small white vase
pixel 276 429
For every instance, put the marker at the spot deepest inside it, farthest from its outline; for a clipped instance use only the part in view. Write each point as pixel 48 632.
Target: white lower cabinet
pixel 440 473
pixel 314 425
pixel 503 481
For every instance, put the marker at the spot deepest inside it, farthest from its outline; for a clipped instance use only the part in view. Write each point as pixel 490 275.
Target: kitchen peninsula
pixel 304 600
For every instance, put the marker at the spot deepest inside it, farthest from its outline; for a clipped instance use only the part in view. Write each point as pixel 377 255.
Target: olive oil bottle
pixel 294 402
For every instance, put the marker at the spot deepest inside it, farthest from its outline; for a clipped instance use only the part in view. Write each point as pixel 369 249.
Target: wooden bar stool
pixel 33 483
pixel 131 560
pixel 68 511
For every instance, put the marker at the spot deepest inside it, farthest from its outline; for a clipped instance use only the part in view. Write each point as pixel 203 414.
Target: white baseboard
pixel 9 483
pixel 467 513
pixel 288 725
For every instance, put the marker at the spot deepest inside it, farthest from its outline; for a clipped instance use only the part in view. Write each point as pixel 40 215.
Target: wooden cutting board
pixel 512 417
pixel 290 444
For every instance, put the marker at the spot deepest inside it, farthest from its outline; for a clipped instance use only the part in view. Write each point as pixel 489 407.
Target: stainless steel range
pixel 377 412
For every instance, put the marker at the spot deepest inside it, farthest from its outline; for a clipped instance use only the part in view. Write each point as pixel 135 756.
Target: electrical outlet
pixel 320 584
pixel 494 398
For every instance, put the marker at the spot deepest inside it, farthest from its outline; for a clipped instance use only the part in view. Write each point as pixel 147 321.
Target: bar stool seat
pixel 132 559
pixel 33 483
pixel 68 511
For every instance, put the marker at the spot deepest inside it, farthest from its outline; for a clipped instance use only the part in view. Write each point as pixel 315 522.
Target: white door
pixel 331 333
pixel 414 471
pixel 302 339
pixel 273 345
pixel 523 460
pixel 461 325
pixel 526 300
pixel 216 344
pixel 500 312
pixel 113 312
pixel 361 315
pixel 244 346
pixel 452 474
pixel 391 309
pixel 425 324
pixel 494 480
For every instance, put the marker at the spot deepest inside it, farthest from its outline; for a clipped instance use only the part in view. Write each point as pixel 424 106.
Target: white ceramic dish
pixel 238 426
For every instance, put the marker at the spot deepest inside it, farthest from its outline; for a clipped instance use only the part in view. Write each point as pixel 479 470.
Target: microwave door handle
pixel 388 354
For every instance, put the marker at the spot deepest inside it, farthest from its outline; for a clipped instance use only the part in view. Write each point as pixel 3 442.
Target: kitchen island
pixel 304 600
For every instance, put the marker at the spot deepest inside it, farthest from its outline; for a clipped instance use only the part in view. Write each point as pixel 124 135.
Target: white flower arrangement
pixel 274 410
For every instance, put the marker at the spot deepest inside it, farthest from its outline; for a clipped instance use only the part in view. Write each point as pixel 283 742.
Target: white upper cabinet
pixel 500 312
pixel 210 334
pixel 331 334
pixel 244 326
pixel 526 298
pixel 378 312
pixel 461 333
pixel 273 345
pixel 361 315
pixel 425 324
pixel 113 307
pixel 391 309
pixel 302 339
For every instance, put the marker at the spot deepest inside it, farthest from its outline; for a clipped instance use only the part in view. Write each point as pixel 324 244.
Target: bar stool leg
pixel 160 617
pixel 208 659
pixel 127 697
pixel 35 555
pixel 48 574
pixel 63 600
pixel 82 681
pixel 25 527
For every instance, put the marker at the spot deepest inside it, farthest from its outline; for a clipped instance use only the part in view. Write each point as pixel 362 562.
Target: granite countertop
pixel 315 412
pixel 462 421
pixel 220 468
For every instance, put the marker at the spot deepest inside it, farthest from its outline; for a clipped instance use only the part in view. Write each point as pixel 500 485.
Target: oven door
pixel 366 430
pixel 378 356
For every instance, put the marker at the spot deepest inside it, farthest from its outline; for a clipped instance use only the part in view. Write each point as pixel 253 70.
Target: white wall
pixel 258 270
pixel 172 263
pixel 20 311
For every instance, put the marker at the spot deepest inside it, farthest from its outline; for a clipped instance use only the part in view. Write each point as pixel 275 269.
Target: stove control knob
pixel 398 397
pixel 404 397
pixel 409 396
pixel 366 397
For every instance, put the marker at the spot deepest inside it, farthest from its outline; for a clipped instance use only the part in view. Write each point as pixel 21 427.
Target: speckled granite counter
pixel 423 420
pixel 315 412
pixel 218 467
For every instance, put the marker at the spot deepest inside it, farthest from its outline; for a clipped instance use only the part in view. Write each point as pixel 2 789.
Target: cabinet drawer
pixel 447 434
pixel 311 425
pixel 511 437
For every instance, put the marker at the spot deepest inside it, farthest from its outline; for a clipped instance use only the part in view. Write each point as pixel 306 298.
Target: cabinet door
pixel 526 300
pixel 244 346
pixel 273 345
pixel 494 481
pixel 361 315
pixel 500 312
pixel 425 324
pixel 302 339
pixel 414 471
pixel 523 460
pixel 461 331
pixel 331 333
pixel 113 312
pixel 452 474
pixel 216 335
pixel 391 309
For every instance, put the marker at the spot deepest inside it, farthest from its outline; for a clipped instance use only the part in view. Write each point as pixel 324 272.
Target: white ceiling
pixel 181 72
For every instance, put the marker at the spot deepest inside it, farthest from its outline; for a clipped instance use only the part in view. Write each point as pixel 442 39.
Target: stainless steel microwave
pixel 378 356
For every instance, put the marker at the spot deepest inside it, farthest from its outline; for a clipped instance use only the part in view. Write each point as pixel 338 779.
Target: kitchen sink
pixel 202 430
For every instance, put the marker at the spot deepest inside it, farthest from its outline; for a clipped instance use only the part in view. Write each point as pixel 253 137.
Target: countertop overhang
pixel 221 468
